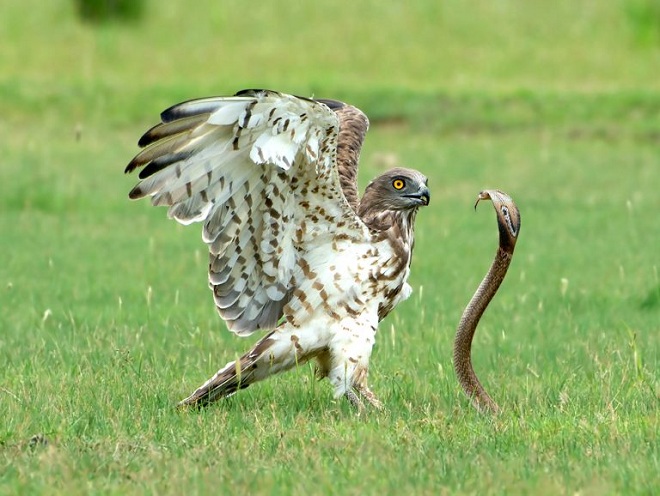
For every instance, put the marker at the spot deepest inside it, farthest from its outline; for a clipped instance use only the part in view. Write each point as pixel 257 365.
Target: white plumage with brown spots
pixel 292 248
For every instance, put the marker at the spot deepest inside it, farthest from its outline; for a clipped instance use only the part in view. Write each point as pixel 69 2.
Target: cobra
pixel 508 221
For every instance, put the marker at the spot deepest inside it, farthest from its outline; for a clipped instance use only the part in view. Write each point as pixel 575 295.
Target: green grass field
pixel 105 316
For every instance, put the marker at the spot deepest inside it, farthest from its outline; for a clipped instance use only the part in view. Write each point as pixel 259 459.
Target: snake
pixel 508 222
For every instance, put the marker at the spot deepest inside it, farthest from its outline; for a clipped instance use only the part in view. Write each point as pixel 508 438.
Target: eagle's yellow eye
pixel 398 183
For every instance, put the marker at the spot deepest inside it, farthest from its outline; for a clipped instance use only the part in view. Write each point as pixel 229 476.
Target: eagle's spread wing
pixel 260 170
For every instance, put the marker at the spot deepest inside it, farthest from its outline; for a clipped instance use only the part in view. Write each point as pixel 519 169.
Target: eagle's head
pixel 397 189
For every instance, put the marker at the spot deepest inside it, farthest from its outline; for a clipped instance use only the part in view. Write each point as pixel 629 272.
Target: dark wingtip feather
pixel 156 164
pixel 162 162
pixel 145 140
pixel 252 92
pixel 136 193
pixel 132 165
pixel 331 104
pixel 190 108
pixel 258 92
pixel 148 137
pixel 170 129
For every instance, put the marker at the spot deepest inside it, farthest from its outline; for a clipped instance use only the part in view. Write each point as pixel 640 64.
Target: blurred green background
pixel 305 47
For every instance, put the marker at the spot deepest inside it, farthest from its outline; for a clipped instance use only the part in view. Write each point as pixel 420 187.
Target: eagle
pixel 293 249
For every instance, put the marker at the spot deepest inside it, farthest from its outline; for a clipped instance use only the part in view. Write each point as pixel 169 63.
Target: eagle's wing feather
pixel 353 128
pixel 260 170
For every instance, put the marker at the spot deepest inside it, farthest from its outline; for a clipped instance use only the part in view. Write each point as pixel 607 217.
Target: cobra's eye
pixel 398 184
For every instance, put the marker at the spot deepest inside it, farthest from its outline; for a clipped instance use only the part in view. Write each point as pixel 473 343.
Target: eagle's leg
pixel 354 400
pixel 349 356
pixel 277 352
pixel 368 395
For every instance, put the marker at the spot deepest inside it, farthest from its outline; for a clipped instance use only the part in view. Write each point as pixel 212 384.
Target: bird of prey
pixel 293 250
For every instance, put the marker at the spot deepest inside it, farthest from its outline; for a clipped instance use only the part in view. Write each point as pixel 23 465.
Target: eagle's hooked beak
pixel 423 196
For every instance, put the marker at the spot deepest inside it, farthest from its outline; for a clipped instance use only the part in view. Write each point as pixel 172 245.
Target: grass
pixel 106 321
